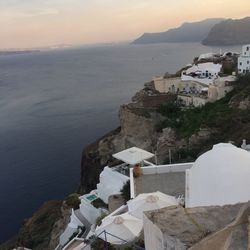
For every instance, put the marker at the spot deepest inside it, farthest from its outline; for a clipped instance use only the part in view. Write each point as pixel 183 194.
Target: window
pixel 247 48
pixel 247 62
pixel 240 63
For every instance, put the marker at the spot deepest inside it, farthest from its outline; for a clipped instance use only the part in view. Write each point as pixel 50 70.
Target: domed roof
pixel 218 177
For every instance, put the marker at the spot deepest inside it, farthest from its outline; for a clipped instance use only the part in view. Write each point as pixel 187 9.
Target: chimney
pixel 244 144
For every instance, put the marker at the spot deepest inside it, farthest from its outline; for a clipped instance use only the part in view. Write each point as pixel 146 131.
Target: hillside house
pixel 203 72
pixel 244 60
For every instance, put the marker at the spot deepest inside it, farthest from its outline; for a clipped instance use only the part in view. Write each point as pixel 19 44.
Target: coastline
pixel 130 114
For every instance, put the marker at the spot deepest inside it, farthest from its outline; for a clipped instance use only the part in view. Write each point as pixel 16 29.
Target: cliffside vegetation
pixel 189 121
pixel 73 201
pixel 219 115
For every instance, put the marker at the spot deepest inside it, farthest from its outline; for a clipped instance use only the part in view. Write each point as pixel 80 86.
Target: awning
pixel 119 229
pixel 150 201
pixel 133 155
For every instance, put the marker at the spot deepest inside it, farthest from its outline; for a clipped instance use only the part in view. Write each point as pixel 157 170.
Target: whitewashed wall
pixel 89 212
pixel 111 182
pixel 158 169
pixel 70 229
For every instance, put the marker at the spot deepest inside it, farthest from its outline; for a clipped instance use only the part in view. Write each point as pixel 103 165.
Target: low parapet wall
pixel 159 169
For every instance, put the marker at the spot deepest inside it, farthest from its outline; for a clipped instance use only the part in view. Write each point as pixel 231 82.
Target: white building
pixel 203 72
pixel 71 228
pixel 244 60
pixel 206 56
pixel 220 87
pixel 111 182
pixel 219 177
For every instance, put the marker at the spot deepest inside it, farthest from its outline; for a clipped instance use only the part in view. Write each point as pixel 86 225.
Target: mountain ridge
pixel 187 32
pixel 229 32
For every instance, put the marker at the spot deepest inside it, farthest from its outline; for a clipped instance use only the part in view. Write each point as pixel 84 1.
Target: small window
pixel 244 71
pixel 247 48
pixel 247 62
pixel 239 70
pixel 240 63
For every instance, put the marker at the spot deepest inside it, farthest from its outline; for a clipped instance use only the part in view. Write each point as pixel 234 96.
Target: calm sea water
pixel 54 103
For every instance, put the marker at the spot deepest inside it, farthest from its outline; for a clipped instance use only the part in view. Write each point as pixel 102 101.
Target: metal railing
pixel 106 247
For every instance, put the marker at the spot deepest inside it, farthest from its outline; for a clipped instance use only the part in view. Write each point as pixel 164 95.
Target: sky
pixel 38 23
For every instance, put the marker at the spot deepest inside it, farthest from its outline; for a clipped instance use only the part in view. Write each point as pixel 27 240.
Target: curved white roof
pixel 211 67
pixel 218 177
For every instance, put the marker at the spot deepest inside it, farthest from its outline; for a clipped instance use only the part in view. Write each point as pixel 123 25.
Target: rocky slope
pixel 43 229
pixel 200 228
pixel 187 32
pixel 229 32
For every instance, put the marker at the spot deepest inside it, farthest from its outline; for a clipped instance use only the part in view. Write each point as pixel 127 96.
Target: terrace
pixel 169 179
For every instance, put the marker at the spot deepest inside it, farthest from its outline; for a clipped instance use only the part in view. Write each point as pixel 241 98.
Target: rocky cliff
pixel 199 228
pixel 187 134
pixel 229 32
pixel 43 229
pixel 148 122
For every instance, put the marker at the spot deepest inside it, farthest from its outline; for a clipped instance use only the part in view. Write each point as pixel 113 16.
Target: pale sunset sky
pixel 36 23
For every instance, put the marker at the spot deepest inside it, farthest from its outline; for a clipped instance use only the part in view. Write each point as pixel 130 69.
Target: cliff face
pixel 137 129
pixel 139 121
pixel 206 228
pixel 43 229
pixel 186 134
pixel 229 32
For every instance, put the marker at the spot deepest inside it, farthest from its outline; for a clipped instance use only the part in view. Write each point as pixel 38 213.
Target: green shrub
pixel 99 203
pixel 189 121
pixel 170 110
pixel 243 80
pixel 73 201
pixel 99 219
pixel 126 191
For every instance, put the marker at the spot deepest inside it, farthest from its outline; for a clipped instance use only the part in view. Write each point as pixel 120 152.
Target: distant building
pixel 244 60
pixel 195 93
pixel 220 87
pixel 203 72
pixel 199 83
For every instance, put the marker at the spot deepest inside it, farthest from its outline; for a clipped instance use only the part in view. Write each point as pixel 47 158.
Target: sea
pixel 53 103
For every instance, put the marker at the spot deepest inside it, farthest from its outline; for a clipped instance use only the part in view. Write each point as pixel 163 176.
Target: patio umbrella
pixel 133 155
pixel 150 201
pixel 119 229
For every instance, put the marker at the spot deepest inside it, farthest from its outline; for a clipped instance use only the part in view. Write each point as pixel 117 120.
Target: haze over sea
pixel 54 103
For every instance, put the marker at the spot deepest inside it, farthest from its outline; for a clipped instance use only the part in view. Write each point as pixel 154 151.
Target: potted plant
pixel 137 170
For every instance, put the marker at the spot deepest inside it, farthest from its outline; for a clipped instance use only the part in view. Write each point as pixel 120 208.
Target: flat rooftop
pixel 172 183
